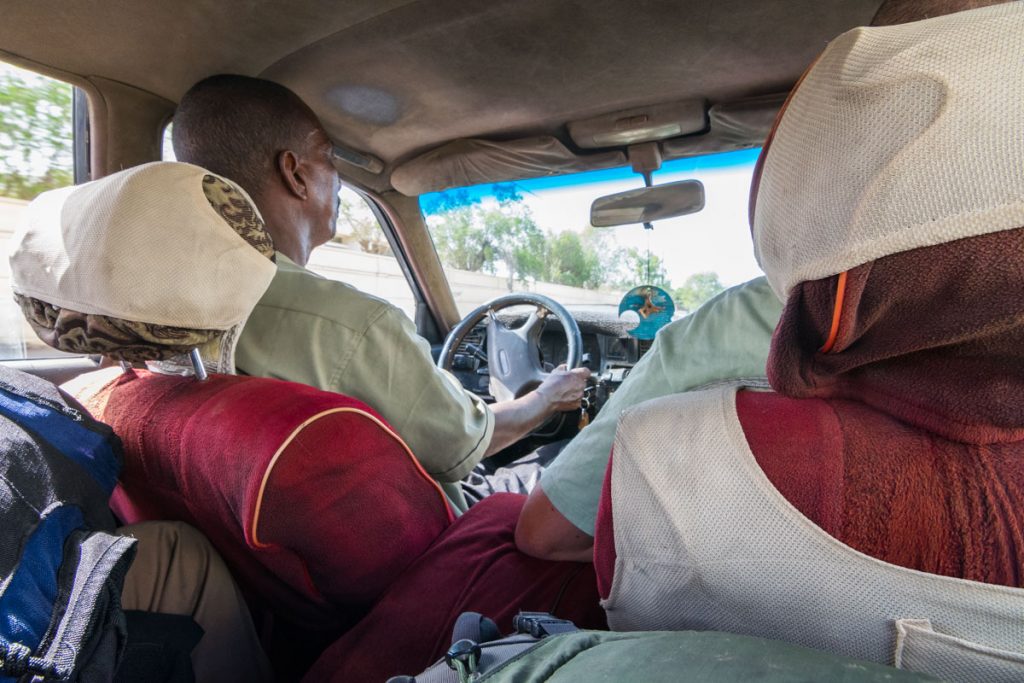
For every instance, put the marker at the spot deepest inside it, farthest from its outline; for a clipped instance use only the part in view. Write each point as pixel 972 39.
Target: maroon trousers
pixel 474 566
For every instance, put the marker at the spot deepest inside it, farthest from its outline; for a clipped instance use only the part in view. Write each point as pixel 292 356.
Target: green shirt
pixel 330 335
pixel 726 338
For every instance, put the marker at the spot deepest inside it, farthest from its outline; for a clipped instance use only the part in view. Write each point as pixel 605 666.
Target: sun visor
pixel 462 163
pixel 733 125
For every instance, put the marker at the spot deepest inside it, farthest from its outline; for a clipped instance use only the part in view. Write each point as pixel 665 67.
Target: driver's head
pixel 264 137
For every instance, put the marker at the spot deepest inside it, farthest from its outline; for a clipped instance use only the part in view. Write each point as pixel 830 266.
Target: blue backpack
pixel 61 566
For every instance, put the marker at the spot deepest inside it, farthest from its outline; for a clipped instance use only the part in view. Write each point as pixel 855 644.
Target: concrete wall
pixel 17 340
pixel 382 276
pixel 379 275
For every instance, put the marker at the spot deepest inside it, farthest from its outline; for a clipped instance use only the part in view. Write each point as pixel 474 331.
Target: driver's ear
pixel 293 173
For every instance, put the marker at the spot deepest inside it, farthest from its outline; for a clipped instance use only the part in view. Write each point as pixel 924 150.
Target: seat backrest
pixel 314 502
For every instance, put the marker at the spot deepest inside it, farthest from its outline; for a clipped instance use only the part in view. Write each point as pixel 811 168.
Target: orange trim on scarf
pixel 836 313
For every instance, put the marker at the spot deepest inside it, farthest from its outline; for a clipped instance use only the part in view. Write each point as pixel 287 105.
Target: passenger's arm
pixel 562 390
pixel 545 533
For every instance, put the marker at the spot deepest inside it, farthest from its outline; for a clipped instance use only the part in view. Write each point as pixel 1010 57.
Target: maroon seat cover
pixel 314 502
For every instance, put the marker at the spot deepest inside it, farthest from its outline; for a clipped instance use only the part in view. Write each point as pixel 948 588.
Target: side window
pixel 166 146
pixel 361 256
pixel 36 154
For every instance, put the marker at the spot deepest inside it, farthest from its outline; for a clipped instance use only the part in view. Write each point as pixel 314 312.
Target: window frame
pixel 425 319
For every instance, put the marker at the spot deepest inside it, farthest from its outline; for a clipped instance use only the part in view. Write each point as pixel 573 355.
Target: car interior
pixel 419 98
pixel 422 97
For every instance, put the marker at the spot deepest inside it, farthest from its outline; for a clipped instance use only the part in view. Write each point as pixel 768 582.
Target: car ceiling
pixel 397 77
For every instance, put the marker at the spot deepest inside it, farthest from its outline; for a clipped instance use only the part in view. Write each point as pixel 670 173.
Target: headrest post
pixel 197 364
pixel 126 367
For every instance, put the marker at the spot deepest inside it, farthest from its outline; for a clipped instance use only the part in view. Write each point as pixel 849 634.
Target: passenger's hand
pixel 563 389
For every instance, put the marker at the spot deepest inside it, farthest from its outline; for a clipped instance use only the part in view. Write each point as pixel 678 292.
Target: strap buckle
pixel 464 658
pixel 540 624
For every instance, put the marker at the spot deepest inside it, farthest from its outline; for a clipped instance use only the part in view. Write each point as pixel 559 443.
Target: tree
pixel 577 259
pixel 697 289
pixel 516 241
pixel 637 268
pixel 503 238
pixel 461 240
pixel 358 225
pixel 35 135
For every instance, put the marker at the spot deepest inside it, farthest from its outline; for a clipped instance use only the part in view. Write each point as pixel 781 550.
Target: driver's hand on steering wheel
pixel 563 388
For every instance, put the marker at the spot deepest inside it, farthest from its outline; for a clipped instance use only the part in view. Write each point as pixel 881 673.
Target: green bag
pixel 547 649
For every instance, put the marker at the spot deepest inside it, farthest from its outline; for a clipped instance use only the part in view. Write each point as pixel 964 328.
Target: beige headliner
pixel 394 77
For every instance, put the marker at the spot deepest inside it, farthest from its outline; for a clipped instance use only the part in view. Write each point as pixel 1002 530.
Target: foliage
pixel 357 225
pixel 697 289
pixel 460 241
pixel 505 239
pixel 517 243
pixel 639 268
pixel 577 259
pixel 35 135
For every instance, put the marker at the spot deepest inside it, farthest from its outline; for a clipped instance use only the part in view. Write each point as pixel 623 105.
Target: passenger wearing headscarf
pixel 872 504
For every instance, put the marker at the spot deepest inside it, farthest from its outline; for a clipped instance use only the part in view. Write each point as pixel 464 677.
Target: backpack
pixel 61 566
pixel 545 648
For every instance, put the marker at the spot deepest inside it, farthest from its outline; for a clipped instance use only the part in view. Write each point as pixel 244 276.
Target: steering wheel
pixel 513 355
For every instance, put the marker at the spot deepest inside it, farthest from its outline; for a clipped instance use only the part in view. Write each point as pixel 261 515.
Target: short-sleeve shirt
pixel 330 335
pixel 725 339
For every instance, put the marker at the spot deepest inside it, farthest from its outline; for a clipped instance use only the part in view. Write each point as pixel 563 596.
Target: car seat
pixel 314 501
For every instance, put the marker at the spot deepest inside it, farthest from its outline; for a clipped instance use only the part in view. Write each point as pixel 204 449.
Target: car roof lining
pixel 395 78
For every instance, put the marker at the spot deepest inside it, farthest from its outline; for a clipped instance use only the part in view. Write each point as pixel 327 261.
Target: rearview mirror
pixel 648 204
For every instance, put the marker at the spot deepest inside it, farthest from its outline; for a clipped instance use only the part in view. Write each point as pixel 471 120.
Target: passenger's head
pixel 890 13
pixel 889 219
pixel 897 137
pixel 894 12
pixel 266 139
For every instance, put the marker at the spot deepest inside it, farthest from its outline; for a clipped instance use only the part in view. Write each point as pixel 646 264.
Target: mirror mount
pixel 645 160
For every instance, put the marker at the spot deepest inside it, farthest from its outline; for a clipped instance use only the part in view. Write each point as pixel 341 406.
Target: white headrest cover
pixel 899 137
pixel 143 245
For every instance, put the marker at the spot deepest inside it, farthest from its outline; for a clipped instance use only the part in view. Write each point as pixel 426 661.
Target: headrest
pixel 145 264
pixel 899 137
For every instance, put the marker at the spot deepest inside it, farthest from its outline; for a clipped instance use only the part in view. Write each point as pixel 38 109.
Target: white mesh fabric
pixel 704 541
pixel 143 245
pixel 899 137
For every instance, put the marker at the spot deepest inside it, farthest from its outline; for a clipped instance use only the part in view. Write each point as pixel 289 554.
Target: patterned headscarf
pixel 69 320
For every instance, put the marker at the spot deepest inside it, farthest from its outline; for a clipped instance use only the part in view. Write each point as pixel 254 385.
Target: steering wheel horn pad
pixel 514 354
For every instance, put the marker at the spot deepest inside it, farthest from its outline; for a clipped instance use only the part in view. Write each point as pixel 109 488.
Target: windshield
pixel 535 235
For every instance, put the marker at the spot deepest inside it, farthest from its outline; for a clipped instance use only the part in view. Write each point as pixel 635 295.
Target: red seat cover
pixel 315 503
